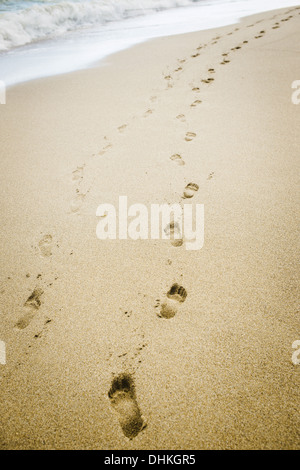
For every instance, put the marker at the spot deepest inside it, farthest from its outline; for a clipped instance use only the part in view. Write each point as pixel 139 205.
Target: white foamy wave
pixel 53 18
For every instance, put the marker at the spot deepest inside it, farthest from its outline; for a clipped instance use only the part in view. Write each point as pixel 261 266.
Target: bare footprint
pixel 169 307
pixel 211 175
pixel 190 190
pixel 123 401
pixel 195 103
pixel 31 307
pixel 102 152
pixel 77 202
pixel 181 117
pixel 148 112
pixel 122 128
pixel 189 136
pixel 177 159
pixel 77 174
pixel 45 246
pixel 173 231
pixel 207 80
pixel 196 89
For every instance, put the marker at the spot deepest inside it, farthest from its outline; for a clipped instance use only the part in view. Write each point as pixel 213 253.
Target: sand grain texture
pixel 218 374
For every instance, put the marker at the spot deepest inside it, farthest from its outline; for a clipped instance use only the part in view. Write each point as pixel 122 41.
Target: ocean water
pixel 39 38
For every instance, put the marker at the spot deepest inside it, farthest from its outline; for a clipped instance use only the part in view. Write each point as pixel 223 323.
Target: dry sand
pixel 219 374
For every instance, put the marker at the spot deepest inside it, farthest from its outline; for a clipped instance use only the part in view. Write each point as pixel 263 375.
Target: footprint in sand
pixel 45 246
pixel 122 128
pixel 148 112
pixel 77 174
pixel 225 62
pixel 77 202
pixel 31 307
pixel 104 150
pixel 211 175
pixel 189 136
pixel 195 103
pixel 123 401
pixel 173 231
pixel 196 89
pixel 169 79
pixel 211 70
pixel 177 159
pixel 178 69
pixel 207 80
pixel 190 190
pixel 169 307
pixel 260 35
pixel 181 117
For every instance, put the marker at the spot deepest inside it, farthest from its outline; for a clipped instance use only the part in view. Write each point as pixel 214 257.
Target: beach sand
pixel 78 315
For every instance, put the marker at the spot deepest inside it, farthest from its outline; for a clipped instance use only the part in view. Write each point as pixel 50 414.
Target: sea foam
pixel 48 19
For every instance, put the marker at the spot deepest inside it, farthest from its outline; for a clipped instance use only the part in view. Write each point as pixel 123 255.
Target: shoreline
pixel 37 52
pixel 218 375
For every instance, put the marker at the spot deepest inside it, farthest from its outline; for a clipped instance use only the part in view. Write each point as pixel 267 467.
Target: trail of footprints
pixel 122 393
